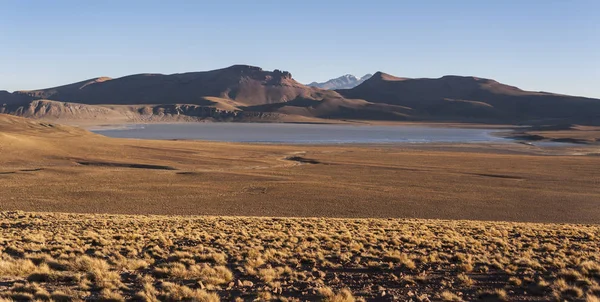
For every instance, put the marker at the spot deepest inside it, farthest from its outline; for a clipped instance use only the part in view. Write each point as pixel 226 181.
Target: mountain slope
pixel 236 93
pixel 344 82
pixel 459 98
pixel 247 93
pixel 246 85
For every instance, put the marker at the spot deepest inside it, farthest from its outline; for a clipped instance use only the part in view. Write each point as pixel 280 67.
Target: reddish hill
pixel 247 89
pixel 246 85
pixel 461 98
pixel 241 92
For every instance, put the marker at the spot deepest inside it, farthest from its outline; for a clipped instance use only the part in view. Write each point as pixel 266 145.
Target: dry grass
pixel 67 257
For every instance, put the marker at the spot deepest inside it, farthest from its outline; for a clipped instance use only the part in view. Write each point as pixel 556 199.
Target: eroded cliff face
pixel 60 111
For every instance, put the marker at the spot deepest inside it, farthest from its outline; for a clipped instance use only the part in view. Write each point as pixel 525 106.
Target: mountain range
pixel 344 82
pixel 248 93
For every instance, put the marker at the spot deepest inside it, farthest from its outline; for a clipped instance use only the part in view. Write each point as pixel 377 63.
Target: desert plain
pixel 421 222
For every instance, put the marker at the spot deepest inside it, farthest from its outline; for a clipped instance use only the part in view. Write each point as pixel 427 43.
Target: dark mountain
pixel 460 98
pixel 243 92
pixel 7 98
pixel 246 85
pixel 238 92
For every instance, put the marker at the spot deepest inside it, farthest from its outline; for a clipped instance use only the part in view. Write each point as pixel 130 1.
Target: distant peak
pixel 386 77
pixel 379 75
pixel 347 81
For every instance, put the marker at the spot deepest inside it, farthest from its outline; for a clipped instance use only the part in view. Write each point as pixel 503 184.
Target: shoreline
pixel 521 134
pixel 505 134
pixel 56 169
pixel 107 126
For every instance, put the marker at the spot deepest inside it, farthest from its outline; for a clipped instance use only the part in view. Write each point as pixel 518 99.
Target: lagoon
pixel 302 133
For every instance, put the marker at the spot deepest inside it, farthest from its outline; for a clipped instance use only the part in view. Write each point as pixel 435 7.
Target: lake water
pixel 301 133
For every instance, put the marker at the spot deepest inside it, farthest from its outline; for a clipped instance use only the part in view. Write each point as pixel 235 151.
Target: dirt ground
pixel 63 169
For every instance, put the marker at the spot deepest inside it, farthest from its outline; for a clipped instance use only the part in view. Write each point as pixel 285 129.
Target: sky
pixel 540 45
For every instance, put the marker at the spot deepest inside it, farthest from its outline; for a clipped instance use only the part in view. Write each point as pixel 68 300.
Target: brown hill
pixel 23 141
pixel 245 85
pixel 459 98
pixel 247 93
pixel 337 108
pixel 13 125
pixel 237 93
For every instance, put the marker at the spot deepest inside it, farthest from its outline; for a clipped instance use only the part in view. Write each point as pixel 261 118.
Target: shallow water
pixel 302 133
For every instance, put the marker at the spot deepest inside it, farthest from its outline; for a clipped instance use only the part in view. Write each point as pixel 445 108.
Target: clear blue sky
pixel 549 45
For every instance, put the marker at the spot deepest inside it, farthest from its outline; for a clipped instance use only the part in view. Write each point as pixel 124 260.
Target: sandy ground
pixel 63 169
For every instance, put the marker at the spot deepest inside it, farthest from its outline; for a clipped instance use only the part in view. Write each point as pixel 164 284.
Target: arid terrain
pixel 47 167
pixel 493 235
pixel 207 151
pixel 68 257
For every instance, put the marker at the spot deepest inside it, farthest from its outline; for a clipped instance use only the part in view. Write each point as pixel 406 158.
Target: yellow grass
pixel 150 258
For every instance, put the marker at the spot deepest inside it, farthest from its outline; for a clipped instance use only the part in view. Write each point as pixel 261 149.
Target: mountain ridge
pixel 239 92
pixel 242 83
pixel 468 97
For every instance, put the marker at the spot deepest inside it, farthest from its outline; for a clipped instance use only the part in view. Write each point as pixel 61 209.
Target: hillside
pixel 76 113
pixel 247 93
pixel 245 85
pixel 237 93
pixel 458 98
pixel 11 127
